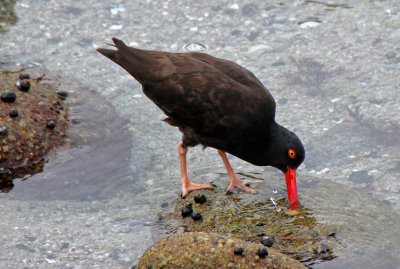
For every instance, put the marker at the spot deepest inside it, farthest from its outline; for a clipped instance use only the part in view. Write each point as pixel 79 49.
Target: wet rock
pixel 200 199
pixel 268 242
pixel 187 210
pixel 51 125
pixel 8 97
pixel 196 216
pixel 209 250
pixel 13 113
pixel 24 85
pixel 238 215
pixel 238 251
pixel 262 252
pixel 26 144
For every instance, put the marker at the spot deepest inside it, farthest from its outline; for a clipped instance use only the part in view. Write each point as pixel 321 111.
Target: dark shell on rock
pixel 262 252
pixel 13 113
pixel 238 251
pixel 196 216
pixel 24 85
pixel 62 94
pixel 268 242
pixel 200 199
pixel 51 125
pixel 3 129
pixel 8 97
pixel 186 211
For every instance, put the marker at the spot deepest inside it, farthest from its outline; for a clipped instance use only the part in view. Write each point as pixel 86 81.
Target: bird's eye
pixel 292 153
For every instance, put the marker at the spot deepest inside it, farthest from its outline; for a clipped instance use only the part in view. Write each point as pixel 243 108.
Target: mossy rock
pixel 28 137
pixel 209 250
pixel 251 218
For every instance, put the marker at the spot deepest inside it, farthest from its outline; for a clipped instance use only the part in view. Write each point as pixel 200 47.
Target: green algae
pixel 209 250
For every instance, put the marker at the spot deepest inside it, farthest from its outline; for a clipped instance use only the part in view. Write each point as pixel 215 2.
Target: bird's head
pixel 286 152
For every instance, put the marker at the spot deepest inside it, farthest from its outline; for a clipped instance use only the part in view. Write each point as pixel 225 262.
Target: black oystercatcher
pixel 218 104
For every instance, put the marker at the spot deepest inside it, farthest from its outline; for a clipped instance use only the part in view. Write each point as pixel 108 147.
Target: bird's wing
pixel 232 70
pixel 195 93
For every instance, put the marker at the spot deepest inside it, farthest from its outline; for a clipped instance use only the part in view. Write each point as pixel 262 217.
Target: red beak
pixel 291 187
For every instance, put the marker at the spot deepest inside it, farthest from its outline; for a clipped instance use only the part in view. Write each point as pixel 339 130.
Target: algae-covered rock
pixel 27 137
pixel 250 217
pixel 209 250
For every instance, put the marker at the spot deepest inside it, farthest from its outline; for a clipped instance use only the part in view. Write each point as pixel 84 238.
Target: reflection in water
pixel 8 175
pixel 7 15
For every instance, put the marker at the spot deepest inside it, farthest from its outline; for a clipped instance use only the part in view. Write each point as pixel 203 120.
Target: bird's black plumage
pixel 214 102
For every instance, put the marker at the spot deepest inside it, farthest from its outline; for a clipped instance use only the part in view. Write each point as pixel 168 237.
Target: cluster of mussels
pixel 262 252
pixel 27 108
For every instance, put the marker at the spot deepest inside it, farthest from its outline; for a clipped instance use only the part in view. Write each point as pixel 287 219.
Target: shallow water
pixel 332 68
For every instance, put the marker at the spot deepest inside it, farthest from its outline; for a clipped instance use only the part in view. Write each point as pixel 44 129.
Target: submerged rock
pixel 209 250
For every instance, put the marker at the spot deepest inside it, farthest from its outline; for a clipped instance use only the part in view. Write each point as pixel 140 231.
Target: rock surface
pixel 24 116
pixel 208 250
pixel 248 217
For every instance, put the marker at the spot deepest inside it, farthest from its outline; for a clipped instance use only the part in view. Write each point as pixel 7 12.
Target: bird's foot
pixel 235 182
pixel 190 186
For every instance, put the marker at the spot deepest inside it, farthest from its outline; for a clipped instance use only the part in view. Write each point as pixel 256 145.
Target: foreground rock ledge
pixel 208 250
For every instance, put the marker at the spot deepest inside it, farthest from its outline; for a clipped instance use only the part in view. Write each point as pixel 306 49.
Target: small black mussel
pixel 197 216
pixel 8 97
pixel 62 94
pixel 187 210
pixel 238 251
pixel 200 199
pixel 268 242
pixel 24 84
pixel 3 130
pixel 261 224
pixel 51 124
pixel 13 113
pixel 262 252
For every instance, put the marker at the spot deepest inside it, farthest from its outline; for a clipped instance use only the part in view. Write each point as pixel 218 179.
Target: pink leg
pixel 234 181
pixel 187 185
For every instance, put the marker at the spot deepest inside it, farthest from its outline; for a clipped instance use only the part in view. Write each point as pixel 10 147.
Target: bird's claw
pixel 190 186
pixel 241 184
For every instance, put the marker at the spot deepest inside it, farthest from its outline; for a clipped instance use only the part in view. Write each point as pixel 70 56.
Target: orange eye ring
pixel 292 153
